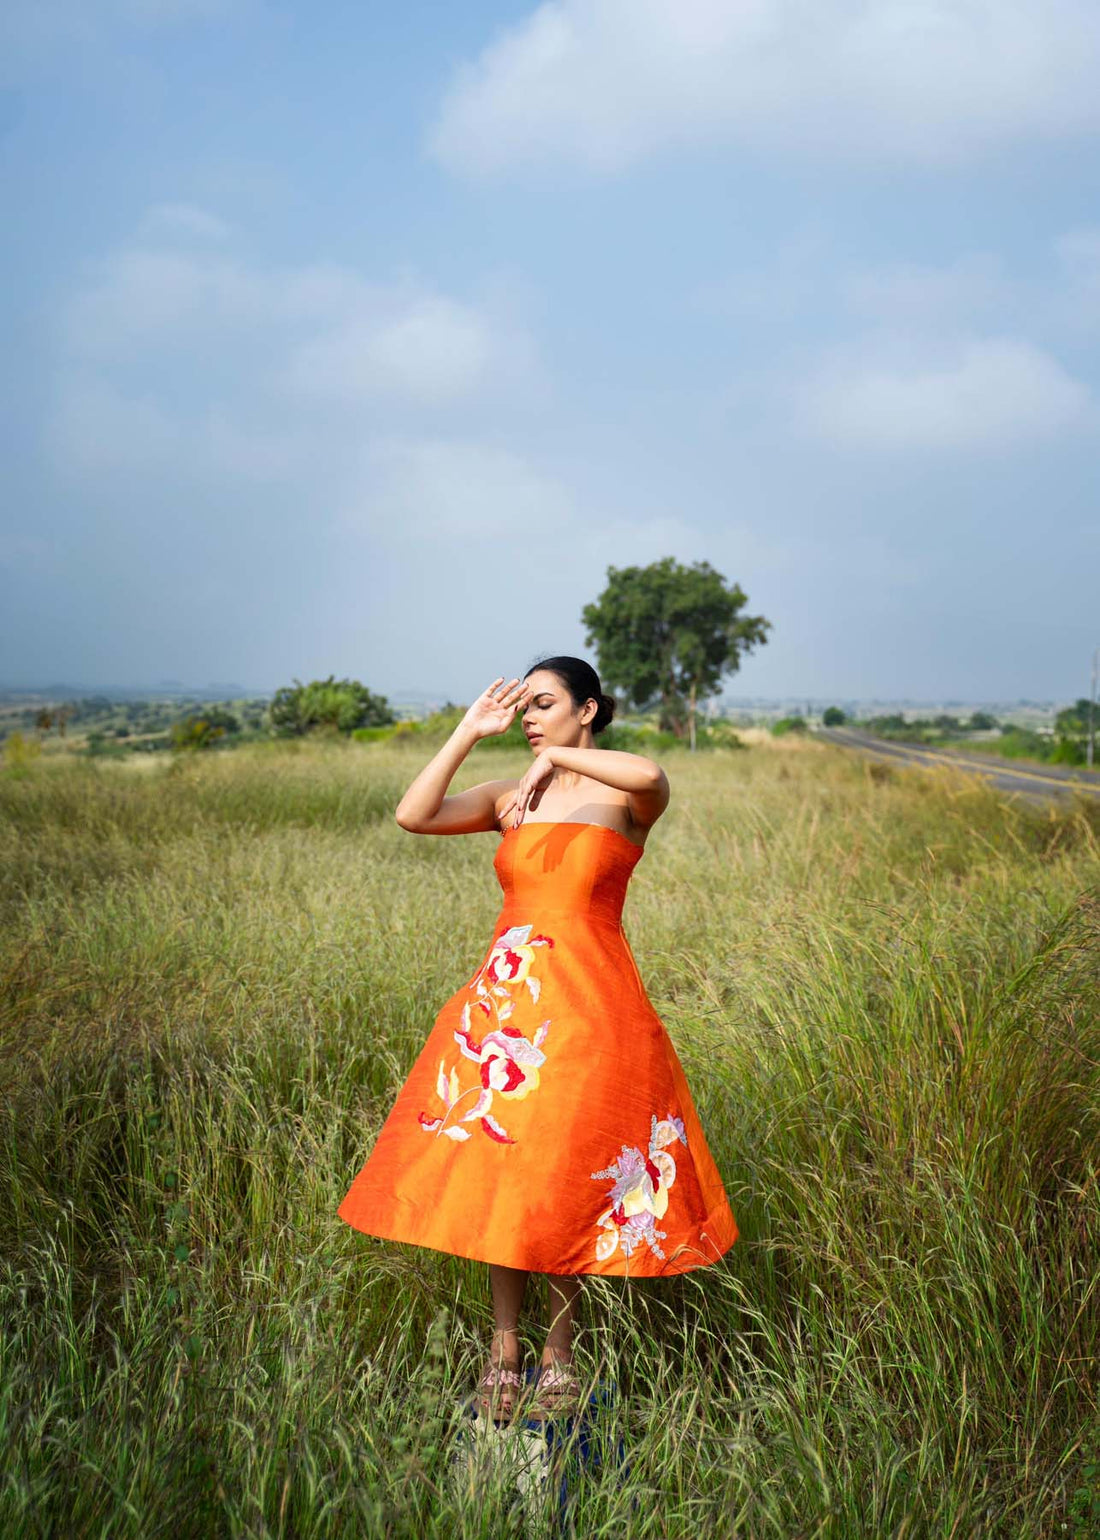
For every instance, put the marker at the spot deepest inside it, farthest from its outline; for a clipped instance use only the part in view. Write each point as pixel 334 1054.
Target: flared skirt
pixel 547 1123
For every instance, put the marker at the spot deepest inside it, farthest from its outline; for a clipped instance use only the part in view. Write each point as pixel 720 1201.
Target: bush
pixel 1068 751
pixel 372 734
pixel 343 705
pixel 18 751
pixel 97 747
pixel 793 724
pixel 1022 743
pixel 434 729
pixel 720 735
pixel 203 732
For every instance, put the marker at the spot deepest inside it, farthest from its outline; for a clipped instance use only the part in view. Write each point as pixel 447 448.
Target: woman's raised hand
pixel 495 709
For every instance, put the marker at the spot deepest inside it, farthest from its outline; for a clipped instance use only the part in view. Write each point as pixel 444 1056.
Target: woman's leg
pixel 500 1384
pixel 508 1285
pixel 565 1293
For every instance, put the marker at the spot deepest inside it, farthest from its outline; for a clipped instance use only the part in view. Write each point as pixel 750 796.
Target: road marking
pixel 963 762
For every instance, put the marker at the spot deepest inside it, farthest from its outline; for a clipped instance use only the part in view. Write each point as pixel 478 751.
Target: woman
pixel 546 1125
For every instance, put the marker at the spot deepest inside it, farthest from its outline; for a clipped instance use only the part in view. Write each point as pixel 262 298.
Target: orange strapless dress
pixel 547 1123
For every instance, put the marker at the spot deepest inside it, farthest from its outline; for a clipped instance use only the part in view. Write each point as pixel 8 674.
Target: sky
pixel 363 339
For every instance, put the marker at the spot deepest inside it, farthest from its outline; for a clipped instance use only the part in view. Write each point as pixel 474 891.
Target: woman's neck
pixel 570 780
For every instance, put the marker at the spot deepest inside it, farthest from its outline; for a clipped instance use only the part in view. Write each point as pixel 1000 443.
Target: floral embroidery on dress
pixel 639 1196
pixel 508 1063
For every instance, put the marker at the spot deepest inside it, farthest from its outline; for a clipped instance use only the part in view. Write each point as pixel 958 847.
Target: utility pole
pixel 1092 704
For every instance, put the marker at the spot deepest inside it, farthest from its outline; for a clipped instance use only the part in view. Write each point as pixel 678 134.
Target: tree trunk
pixel 671 718
pixel 691 716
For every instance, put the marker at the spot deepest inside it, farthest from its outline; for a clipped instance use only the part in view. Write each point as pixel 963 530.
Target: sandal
pixel 497 1392
pixel 557 1390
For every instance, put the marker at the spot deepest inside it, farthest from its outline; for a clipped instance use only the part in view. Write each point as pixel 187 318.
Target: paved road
pixel 1037 782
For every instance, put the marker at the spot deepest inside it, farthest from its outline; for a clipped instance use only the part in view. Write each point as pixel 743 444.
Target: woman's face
pixel 550 716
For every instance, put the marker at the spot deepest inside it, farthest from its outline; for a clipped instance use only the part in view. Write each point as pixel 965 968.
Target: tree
pixel 341 704
pixel 833 717
pixel 1071 731
pixel 202 732
pixel 666 634
pixel 1072 721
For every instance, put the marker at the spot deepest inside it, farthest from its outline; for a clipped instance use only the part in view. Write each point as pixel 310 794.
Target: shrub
pixel 792 724
pixel 18 751
pixel 343 704
pixel 203 732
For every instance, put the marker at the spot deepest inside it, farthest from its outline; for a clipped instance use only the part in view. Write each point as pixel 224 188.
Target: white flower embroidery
pixel 639 1196
pixel 508 1063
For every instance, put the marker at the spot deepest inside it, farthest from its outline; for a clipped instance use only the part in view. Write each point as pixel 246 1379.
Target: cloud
pixel 636 541
pixel 183 219
pixel 451 499
pixel 916 295
pixel 176 347
pixel 459 490
pixel 961 355
pixel 96 427
pixel 605 83
pixel 212 401
pixel 427 348
pixel 977 394
pixel 809 286
pixel 1078 254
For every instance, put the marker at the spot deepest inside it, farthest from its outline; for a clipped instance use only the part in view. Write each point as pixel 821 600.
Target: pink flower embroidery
pixel 639 1196
pixel 508 1062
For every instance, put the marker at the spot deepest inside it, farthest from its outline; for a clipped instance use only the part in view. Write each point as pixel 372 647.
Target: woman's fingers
pixel 511 695
pixel 509 703
pixel 491 692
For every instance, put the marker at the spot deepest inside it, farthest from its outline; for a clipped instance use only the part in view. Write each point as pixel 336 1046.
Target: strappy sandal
pixel 498 1390
pixel 557 1390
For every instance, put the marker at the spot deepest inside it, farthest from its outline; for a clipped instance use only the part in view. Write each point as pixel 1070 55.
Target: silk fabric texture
pixel 547 1122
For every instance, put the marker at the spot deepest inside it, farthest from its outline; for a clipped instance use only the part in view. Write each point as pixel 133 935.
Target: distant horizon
pixel 416 696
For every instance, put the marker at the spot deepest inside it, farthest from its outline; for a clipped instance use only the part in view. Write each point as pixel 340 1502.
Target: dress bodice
pixel 581 869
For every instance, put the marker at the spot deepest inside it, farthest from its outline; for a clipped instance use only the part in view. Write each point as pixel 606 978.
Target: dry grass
pixel 883 987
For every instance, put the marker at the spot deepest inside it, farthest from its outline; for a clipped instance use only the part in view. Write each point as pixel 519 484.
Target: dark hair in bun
pixel 583 684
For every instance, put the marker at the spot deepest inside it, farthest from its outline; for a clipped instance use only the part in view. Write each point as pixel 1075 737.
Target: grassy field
pixel 885 990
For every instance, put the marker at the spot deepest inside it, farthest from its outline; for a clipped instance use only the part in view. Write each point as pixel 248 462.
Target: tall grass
pixel 883 985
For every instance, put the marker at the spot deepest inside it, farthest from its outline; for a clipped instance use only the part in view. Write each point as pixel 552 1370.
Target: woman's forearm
pixel 425 796
pixel 626 772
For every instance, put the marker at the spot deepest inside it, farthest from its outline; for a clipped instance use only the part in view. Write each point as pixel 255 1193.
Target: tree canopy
pixel 1073 721
pixel 666 634
pixel 342 705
